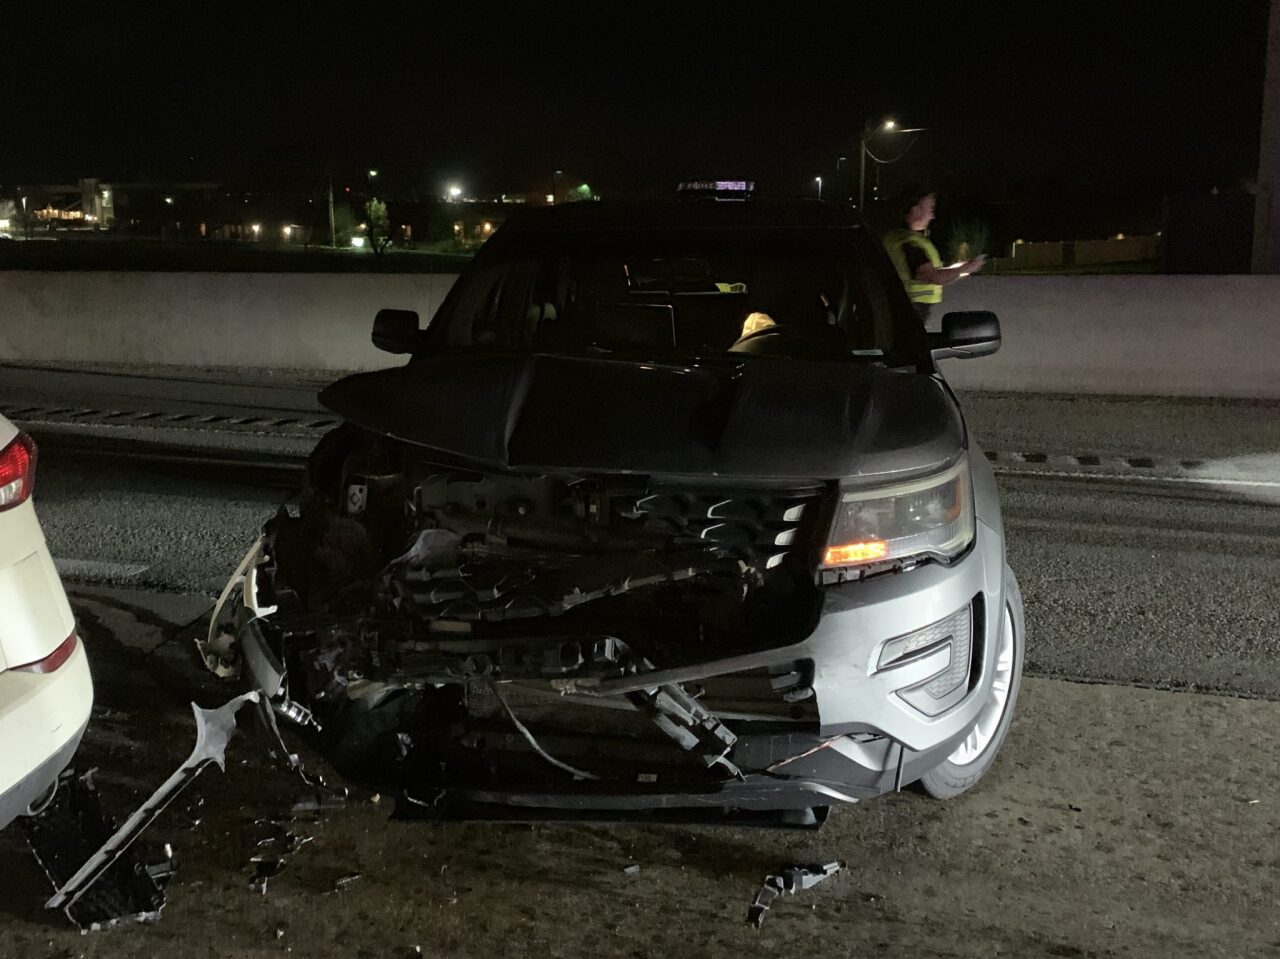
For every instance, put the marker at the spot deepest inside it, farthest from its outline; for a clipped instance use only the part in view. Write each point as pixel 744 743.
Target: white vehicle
pixel 45 689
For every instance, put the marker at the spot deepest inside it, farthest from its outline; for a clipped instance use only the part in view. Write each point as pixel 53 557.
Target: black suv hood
pixel 760 418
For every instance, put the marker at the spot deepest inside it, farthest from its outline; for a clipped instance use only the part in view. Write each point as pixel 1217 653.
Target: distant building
pixel 473 223
pixel 87 204
pixel 147 208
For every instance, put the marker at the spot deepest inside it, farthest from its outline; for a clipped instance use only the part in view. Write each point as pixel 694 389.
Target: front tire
pixel 960 771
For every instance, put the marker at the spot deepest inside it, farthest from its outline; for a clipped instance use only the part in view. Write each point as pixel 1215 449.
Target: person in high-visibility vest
pixel 916 258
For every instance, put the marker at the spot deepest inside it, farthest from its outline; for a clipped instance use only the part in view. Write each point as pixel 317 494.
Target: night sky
pixel 1078 115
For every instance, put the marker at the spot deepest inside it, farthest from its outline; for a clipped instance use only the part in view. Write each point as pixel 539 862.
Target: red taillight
pixel 54 660
pixel 17 471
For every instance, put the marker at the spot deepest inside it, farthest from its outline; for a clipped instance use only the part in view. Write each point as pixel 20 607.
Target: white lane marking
pixel 98 569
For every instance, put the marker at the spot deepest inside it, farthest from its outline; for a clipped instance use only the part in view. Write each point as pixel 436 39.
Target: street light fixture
pixel 818 180
pixel 888 125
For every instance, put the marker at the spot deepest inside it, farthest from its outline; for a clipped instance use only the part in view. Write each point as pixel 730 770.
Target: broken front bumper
pixel 883 690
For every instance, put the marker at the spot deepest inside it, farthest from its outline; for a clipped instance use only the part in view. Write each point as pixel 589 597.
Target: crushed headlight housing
pixel 928 518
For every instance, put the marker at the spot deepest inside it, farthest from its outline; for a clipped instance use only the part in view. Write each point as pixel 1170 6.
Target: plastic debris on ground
pixel 791 880
pixel 74 830
pixel 275 848
pixel 70 829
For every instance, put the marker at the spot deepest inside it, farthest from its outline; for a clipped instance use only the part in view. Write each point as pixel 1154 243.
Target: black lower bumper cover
pixel 754 799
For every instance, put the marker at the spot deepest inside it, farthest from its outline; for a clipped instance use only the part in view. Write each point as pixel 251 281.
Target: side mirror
pixel 396 331
pixel 966 335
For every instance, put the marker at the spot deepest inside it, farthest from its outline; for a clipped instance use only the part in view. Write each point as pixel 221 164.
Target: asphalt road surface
pixel 1119 820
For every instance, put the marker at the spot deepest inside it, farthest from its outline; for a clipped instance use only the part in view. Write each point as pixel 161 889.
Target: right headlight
pixel 932 517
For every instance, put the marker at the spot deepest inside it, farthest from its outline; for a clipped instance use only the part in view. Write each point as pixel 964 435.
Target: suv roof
pixel 688 213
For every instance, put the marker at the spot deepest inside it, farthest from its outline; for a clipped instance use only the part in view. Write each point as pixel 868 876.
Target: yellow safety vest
pixel 919 292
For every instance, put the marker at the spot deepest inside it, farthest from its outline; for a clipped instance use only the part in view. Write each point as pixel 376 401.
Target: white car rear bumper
pixel 42 717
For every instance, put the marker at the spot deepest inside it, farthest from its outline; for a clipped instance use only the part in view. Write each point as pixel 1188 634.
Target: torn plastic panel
pixel 214 728
pixel 67 832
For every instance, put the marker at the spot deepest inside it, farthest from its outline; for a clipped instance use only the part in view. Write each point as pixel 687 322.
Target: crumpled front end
pixel 551 644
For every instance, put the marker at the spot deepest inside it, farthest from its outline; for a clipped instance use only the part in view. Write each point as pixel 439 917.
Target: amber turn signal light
pixel 851 553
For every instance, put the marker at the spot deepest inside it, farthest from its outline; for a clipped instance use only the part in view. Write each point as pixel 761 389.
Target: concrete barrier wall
pixel 1139 335
pixel 313 321
pixel 1142 335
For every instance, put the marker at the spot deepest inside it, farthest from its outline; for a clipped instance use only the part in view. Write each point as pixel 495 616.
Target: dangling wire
pixel 577 773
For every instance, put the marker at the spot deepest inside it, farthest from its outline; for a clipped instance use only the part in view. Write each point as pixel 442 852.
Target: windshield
pixel 818 295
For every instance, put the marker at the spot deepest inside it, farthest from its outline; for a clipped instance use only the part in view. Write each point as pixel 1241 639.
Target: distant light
pixel 364 226
pixel 357 242
pixel 890 124
pixel 372 174
pixel 454 191
pixel 488 227
pixel 715 186
pixel 256 228
pixel 4 224
pixel 1119 236
pixel 551 198
pixel 287 231
pixel 1018 242
pixel 169 200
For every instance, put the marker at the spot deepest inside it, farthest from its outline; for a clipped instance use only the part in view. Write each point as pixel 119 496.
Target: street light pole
pixel 1266 217
pixel 862 171
pixel 818 180
pixel 333 236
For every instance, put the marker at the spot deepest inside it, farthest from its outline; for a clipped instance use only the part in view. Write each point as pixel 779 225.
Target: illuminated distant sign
pixel 721 188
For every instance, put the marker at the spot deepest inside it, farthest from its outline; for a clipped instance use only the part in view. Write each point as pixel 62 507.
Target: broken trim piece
pixel 71 827
pixel 689 723
pixel 217 649
pixel 214 728
pixel 792 880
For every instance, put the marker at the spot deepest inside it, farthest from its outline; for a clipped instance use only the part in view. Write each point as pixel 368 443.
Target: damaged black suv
pixel 669 512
